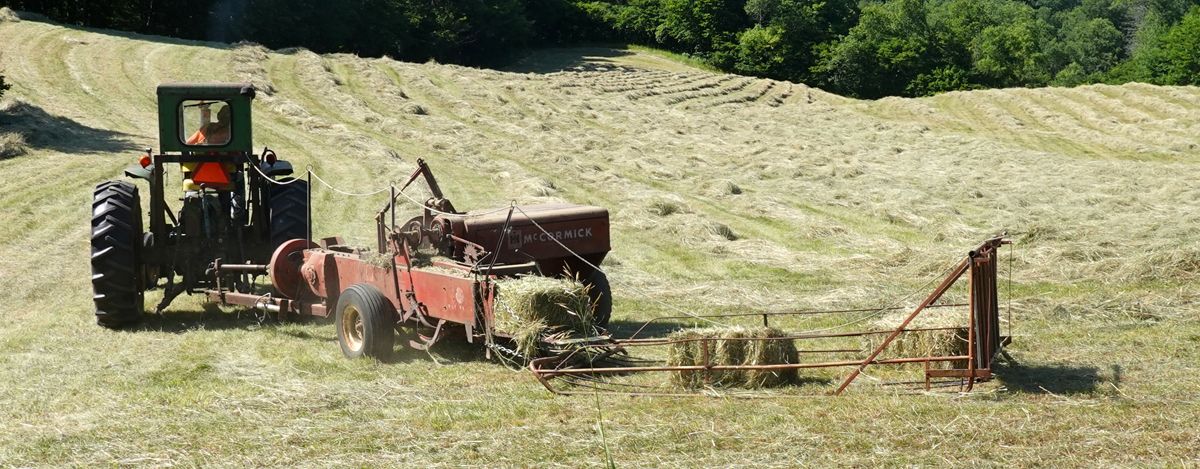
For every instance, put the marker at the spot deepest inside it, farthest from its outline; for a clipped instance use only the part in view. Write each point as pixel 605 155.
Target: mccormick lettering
pixel 544 237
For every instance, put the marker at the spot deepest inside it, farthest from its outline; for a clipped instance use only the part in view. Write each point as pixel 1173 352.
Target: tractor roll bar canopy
pixel 171 97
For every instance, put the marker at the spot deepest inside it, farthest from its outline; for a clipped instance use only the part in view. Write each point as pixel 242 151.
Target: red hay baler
pixel 433 273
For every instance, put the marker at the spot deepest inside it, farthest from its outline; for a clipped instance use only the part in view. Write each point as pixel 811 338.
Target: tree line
pixel 862 48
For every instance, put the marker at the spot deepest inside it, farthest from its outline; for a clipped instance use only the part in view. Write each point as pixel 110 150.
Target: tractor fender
pixel 280 168
pixel 136 171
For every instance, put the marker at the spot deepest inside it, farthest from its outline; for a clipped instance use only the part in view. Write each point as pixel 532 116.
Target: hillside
pixel 727 193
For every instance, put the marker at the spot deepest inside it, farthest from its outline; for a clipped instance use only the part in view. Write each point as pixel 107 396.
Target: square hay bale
pixel 531 307
pixel 946 342
pixel 732 346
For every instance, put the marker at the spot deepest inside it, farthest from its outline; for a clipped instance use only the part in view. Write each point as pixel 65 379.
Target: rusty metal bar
pixel 243 299
pixel 667 341
pixel 308 206
pixel 970 323
pixel 247 268
pixel 781 366
pixel 781 313
pixel 934 296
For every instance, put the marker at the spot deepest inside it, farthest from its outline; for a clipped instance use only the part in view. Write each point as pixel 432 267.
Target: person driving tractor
pixel 214 133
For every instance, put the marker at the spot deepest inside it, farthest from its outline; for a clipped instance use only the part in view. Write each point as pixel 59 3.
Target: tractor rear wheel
pixel 116 254
pixel 365 320
pixel 289 211
pixel 601 295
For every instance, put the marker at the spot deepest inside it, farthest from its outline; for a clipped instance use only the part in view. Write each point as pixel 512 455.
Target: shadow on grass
pixel 42 130
pixel 41 18
pixel 451 349
pixel 570 58
pixel 1056 379
pixel 210 318
pixel 623 328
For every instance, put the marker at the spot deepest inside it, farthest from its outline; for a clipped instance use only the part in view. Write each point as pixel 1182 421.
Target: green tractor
pixel 236 206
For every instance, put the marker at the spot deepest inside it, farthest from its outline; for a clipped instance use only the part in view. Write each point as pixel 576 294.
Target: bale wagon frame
pixel 584 369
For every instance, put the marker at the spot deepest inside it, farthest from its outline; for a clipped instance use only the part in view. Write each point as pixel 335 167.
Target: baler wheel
pixel 601 295
pixel 289 211
pixel 365 319
pixel 116 254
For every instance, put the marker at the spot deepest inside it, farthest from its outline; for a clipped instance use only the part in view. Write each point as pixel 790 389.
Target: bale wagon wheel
pixel 601 294
pixel 364 319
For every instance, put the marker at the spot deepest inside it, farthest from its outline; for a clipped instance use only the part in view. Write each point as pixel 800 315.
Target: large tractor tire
pixel 601 295
pixel 289 211
pixel 116 254
pixel 365 323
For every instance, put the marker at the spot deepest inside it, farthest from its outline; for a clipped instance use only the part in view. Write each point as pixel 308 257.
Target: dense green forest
pixel 862 48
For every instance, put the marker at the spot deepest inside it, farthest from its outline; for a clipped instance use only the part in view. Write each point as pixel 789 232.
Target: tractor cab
pixel 189 110
pixel 236 204
pixel 206 119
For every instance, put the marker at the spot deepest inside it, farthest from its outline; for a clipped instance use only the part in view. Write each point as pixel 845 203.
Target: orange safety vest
pixel 201 136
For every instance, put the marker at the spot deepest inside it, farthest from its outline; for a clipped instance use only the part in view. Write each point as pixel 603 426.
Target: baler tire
pixel 365 323
pixel 116 241
pixel 289 211
pixel 601 295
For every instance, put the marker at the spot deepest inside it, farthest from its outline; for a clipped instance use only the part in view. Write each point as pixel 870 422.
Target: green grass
pixel 843 203
pixel 631 56
pixel 681 58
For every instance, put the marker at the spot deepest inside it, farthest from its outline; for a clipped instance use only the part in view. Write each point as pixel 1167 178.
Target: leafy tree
pixel 705 27
pixel 1181 51
pixel 942 79
pixel 761 11
pixel 803 27
pixel 1010 54
pixel 560 22
pixel 889 47
pixel 1170 57
pixel 472 31
pixel 760 51
pixel 1095 44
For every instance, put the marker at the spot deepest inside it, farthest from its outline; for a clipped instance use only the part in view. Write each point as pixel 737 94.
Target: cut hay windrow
pixel 531 307
pixel 950 341
pixel 732 346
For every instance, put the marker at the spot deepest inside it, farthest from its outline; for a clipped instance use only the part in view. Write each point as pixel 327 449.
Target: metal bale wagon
pixel 600 367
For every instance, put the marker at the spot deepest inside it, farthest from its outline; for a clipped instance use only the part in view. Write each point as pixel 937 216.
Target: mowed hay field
pixel 727 194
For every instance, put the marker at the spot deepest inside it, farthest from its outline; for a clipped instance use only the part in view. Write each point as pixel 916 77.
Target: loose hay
pixel 7 15
pixel 947 342
pixel 532 307
pixel 732 346
pixel 12 145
